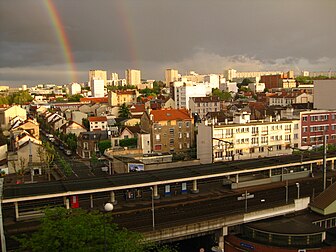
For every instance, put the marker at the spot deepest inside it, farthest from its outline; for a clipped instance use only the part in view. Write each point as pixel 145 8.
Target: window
pixel 296 136
pixel 171 131
pixel 187 134
pixel 187 124
pixel 305 129
pixel 179 124
pixel 85 145
pixel 171 141
pixel 180 135
pixel 305 118
pixel 261 149
pixel 157 137
pixel 157 147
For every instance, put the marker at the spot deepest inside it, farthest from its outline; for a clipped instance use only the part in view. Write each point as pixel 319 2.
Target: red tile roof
pixel 137 108
pixel 97 119
pixel 95 99
pixel 170 114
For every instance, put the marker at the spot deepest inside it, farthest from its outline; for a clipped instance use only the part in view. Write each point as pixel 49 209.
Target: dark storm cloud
pixel 206 36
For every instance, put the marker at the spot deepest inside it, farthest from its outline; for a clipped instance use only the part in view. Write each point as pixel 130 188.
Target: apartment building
pixel 171 75
pixel 285 99
pixel 315 125
pixel 243 138
pixel 171 130
pixel 97 123
pixel 133 77
pixel 203 105
pixel 118 97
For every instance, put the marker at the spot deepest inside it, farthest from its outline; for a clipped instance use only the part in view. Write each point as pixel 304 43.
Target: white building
pixel 97 123
pixel 183 92
pixel 213 80
pixel 74 88
pixel 257 87
pixel 230 87
pixel 133 77
pixel 97 74
pixel 97 87
pixel 246 139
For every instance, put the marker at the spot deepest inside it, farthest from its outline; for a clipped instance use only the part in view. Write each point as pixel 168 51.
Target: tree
pixel 71 141
pixel 224 96
pixel 49 156
pixel 124 111
pixel 75 98
pixel 86 124
pixel 103 145
pixel 127 142
pixel 79 230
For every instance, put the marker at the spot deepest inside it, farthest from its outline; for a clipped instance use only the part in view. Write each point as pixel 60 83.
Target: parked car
pixel 67 152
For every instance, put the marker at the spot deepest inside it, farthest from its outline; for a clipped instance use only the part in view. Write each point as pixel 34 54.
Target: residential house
pixel 8 113
pixel 23 154
pixel 31 126
pixel 97 123
pixel 88 142
pixel 172 130
pixel 126 132
pixel 72 127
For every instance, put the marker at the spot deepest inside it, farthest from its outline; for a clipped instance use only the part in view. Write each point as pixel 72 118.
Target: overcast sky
pixel 206 36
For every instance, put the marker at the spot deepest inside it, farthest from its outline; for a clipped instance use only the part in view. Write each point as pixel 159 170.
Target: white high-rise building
pixel 183 92
pixel 97 74
pixel 133 77
pixel 171 75
pixel 97 87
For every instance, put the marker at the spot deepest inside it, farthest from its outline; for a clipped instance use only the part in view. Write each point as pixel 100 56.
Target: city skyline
pixel 53 41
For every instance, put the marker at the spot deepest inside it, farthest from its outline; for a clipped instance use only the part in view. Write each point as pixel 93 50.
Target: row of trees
pixel 21 97
pixel 79 230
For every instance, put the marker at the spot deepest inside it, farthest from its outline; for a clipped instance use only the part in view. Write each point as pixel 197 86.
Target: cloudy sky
pixel 206 36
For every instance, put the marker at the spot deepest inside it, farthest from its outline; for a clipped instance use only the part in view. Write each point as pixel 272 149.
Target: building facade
pixel 246 139
pixel 97 123
pixel 171 75
pixel 97 74
pixel 203 105
pixel 171 130
pixel 133 77
pixel 315 125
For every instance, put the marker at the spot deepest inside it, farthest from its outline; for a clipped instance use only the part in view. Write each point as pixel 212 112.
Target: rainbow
pixel 62 38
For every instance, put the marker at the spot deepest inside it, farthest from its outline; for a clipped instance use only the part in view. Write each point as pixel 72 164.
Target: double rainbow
pixel 62 38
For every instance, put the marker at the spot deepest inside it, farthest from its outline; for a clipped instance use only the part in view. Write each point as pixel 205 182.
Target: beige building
pixel 73 127
pixel 324 94
pixel 31 126
pixel 119 97
pixel 171 130
pixel 171 75
pixel 133 77
pixel 7 114
pixel 98 75
pixel 246 139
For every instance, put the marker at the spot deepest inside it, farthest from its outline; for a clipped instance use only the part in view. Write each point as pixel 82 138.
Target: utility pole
pixel 324 161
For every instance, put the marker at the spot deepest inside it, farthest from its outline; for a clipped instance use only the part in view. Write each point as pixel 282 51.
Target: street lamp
pixel 153 215
pixel 108 207
pixel 298 190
